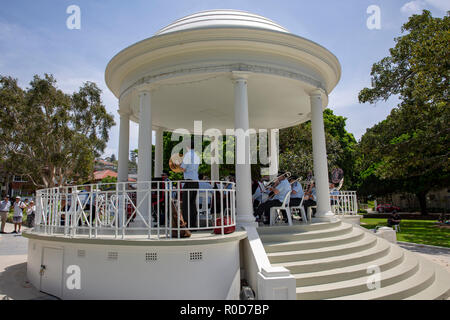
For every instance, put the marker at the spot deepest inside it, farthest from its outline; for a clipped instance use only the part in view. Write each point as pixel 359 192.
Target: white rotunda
pixel 230 70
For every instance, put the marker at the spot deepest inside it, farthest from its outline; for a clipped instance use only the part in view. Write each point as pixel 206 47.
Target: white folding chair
pixel 284 206
pixel 302 210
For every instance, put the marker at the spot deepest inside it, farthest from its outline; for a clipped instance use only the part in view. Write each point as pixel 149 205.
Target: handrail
pixel 144 208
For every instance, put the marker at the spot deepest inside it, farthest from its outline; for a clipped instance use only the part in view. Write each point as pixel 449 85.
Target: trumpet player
pixel 280 188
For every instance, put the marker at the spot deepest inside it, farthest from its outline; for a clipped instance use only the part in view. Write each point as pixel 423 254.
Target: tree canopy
pixel 49 136
pixel 296 147
pixel 409 151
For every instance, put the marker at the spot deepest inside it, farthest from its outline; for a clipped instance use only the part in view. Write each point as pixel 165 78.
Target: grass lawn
pixel 416 231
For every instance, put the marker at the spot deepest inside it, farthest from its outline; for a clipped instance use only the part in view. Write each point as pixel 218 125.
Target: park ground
pixel 13 254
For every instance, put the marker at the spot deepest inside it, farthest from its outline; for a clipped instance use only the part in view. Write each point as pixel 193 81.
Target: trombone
pixel 287 174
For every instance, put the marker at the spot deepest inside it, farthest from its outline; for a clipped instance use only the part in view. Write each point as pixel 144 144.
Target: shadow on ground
pixel 14 285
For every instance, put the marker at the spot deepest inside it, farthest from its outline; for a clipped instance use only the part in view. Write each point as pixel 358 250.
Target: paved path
pixel 13 268
pixel 439 255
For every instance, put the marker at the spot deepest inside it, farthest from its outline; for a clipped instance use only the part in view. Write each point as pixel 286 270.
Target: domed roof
pixel 222 18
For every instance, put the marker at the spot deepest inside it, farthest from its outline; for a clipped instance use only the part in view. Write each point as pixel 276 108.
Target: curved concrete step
pixel 359 285
pixel 379 250
pixel 391 260
pixel 307 235
pixel 327 252
pixel 439 289
pixel 353 236
pixel 298 228
pixel 419 281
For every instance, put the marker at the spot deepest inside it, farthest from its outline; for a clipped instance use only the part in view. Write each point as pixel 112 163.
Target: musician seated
pixel 310 199
pixel 334 192
pixel 280 189
pixel 297 192
pixel 258 190
pixel 204 185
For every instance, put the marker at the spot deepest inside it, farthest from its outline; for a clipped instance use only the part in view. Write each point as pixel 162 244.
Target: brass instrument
pixel 287 174
pixel 273 181
pixel 175 162
pixel 296 180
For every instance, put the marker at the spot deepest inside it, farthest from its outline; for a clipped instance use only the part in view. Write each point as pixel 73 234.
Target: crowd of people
pixel 19 208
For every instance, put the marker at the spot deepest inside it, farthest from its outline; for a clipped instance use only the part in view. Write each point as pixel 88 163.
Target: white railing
pixel 153 209
pixel 344 203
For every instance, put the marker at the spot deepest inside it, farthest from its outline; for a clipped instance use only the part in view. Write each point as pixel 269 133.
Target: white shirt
pixel 190 163
pixel 5 205
pixel 18 209
pixel 31 209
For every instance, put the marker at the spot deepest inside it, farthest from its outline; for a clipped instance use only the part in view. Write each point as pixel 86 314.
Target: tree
pixel 49 136
pixel 296 147
pixel 410 149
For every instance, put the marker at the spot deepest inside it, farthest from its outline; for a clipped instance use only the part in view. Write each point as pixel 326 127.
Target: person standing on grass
pixel 18 214
pixel 4 209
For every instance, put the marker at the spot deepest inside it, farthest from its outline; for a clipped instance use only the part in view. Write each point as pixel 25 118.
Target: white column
pixel 273 153
pixel 159 152
pixel 320 157
pixel 244 207
pixel 214 157
pixel 144 153
pixel 124 147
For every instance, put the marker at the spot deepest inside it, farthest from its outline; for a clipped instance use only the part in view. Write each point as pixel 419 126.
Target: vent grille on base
pixel 195 256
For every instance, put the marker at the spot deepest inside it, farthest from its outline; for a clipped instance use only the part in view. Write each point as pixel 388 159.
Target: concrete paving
pixel 439 255
pixel 13 268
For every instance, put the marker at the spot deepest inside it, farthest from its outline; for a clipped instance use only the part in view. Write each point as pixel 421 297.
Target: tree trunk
pixel 423 202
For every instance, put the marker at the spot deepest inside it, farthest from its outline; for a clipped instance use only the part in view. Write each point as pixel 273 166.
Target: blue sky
pixel 34 39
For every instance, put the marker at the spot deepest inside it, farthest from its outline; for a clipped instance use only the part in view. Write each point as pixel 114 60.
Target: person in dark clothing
pixel 394 219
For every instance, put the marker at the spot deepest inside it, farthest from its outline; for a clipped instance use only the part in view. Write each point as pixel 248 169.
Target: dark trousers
pixel 189 207
pixel 264 209
pixel 309 203
pixel 256 204
pixel 295 202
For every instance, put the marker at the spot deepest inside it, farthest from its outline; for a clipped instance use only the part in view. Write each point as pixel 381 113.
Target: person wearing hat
pixel 31 208
pixel 18 214
pixel 5 204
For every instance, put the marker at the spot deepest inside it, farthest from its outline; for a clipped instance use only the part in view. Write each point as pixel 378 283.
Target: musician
pixel 310 198
pixel 297 192
pixel 334 192
pixel 258 190
pixel 190 165
pixel 280 189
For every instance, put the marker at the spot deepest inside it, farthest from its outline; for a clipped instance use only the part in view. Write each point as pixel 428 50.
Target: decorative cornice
pixel 236 68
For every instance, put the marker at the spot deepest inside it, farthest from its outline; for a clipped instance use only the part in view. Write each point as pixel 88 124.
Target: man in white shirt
pixel 17 216
pixel 190 165
pixel 5 205
pixel 280 191
pixel 297 192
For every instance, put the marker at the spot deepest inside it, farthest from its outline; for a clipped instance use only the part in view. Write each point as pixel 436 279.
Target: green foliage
pixel 49 136
pixel 409 151
pixel 296 147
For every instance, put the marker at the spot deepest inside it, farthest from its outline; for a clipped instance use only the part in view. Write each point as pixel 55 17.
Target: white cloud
pixel 416 6
pixel 413 7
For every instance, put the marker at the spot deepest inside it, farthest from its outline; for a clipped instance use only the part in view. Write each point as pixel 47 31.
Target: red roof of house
pixel 99 175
